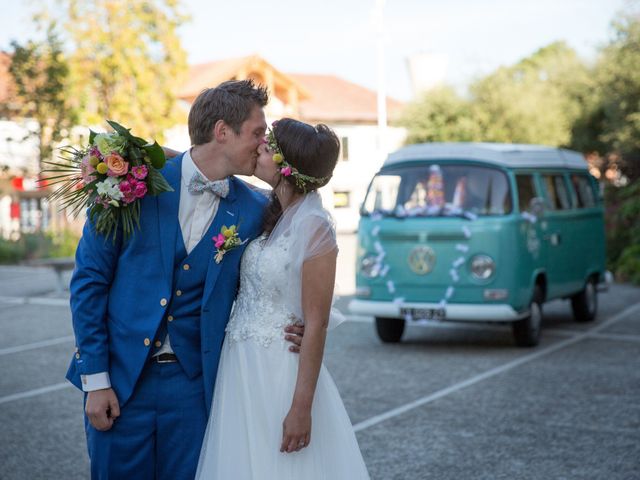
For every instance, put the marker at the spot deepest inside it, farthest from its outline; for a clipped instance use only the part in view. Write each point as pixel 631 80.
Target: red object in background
pixel 18 183
pixel 15 210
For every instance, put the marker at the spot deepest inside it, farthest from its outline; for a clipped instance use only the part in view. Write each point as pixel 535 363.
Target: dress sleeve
pixel 319 237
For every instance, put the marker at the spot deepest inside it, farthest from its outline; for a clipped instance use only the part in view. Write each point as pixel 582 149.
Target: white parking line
pixel 46 301
pixel 492 373
pixel 34 345
pixel 33 393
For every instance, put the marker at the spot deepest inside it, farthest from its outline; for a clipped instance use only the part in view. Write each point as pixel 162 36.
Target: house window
pixel 344 149
pixel 341 199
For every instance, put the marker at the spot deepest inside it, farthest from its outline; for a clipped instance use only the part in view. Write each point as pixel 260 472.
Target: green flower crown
pixel 286 169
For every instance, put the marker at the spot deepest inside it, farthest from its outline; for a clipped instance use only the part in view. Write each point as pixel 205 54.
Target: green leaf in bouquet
pixel 92 135
pixel 125 132
pixel 155 154
pixel 156 183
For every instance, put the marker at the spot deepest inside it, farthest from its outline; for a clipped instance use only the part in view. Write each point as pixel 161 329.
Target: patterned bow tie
pixel 197 185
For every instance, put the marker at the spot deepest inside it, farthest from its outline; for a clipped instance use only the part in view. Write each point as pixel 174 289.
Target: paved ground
pixel 451 401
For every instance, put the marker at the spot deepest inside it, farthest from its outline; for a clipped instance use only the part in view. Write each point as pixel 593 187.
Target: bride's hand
pixel 296 430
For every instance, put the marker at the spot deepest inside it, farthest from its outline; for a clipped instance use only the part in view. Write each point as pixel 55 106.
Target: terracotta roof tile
pixel 338 100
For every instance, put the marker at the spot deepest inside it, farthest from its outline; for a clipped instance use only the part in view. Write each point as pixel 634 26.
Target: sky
pixel 338 37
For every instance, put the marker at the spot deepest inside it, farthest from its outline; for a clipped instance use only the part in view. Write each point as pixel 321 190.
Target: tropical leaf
pixel 156 154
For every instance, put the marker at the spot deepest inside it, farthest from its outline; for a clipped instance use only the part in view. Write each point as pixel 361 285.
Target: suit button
pixel 158 343
pixel 77 355
pixel 186 266
pixel 147 342
pixel 178 293
pixel 163 302
pixel 170 318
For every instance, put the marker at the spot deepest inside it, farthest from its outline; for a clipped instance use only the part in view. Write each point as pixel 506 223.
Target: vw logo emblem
pixel 422 259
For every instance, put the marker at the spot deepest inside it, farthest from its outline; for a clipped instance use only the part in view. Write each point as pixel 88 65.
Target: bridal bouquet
pixel 109 176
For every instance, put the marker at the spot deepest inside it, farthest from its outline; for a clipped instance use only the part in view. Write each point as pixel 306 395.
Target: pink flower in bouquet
pixel 219 240
pixel 117 165
pixel 140 190
pixel 129 197
pixel 87 170
pixel 286 171
pixel 125 187
pixel 140 172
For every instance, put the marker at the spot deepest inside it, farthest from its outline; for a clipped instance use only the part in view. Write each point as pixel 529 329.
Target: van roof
pixel 510 155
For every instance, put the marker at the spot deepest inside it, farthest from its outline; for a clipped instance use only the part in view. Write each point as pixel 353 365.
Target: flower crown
pixel 286 169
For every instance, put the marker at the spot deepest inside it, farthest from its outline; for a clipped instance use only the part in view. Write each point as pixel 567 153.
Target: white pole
pixel 381 77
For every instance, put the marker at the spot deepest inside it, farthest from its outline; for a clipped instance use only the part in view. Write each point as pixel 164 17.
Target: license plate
pixel 424 313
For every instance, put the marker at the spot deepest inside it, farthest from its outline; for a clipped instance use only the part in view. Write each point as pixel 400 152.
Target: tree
pixel 611 126
pixel 440 115
pixel 126 62
pixel 40 76
pixel 534 101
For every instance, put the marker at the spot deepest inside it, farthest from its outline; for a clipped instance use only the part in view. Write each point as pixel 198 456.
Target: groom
pixel 149 313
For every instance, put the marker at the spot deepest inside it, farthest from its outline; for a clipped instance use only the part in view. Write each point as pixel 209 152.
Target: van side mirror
pixel 537 206
pixel 363 212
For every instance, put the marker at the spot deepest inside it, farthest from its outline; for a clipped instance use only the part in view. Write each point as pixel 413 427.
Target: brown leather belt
pixel 165 358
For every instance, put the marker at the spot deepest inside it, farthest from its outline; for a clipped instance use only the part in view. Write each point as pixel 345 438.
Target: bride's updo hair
pixel 312 151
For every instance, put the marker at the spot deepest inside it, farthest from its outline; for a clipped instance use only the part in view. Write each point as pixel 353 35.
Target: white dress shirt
pixel 195 214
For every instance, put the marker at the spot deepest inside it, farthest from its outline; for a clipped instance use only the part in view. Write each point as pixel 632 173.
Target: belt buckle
pixel 170 360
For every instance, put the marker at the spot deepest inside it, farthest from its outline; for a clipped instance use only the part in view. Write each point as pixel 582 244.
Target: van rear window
pixel 439 190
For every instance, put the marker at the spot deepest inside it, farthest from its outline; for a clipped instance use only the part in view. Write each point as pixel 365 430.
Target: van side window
pixel 557 192
pixel 584 191
pixel 526 191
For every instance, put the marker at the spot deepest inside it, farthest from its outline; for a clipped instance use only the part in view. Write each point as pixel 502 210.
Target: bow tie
pixel 198 184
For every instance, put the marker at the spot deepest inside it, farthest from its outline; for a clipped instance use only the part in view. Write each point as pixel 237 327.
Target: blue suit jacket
pixel 117 288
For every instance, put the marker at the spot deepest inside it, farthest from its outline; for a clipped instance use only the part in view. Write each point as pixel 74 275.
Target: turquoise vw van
pixel 479 232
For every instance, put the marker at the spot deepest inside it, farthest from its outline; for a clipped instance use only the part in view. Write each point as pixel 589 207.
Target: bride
pixel 277 414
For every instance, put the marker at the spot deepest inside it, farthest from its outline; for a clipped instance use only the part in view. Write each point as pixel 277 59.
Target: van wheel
pixel 390 330
pixel 526 332
pixel 585 303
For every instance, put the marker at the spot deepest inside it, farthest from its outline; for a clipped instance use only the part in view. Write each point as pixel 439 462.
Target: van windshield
pixel 439 190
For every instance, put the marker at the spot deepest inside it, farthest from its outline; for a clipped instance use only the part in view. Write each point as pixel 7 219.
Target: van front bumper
pixel 475 312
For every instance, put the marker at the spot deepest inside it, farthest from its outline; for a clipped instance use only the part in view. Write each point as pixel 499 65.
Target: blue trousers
pixel 159 432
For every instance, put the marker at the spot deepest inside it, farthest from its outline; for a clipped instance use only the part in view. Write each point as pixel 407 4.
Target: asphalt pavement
pixel 452 401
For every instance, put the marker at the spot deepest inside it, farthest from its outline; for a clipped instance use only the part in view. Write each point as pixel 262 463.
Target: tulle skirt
pixel 253 393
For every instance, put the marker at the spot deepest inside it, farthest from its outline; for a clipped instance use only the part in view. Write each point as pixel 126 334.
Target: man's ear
pixel 220 131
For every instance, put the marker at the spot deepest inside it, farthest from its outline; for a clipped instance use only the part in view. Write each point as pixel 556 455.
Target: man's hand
pixel 102 408
pixel 295 332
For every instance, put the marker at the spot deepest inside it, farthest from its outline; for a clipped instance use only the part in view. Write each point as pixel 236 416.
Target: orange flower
pixel 117 165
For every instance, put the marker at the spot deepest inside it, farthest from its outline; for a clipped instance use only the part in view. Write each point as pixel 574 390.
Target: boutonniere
pixel 226 240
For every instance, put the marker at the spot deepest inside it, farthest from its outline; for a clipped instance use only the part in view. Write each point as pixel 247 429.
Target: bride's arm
pixel 318 279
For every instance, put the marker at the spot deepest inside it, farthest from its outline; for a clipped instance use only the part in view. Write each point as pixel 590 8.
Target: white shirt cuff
pixel 96 381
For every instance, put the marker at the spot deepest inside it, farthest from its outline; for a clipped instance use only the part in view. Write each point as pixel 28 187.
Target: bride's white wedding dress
pixel 257 372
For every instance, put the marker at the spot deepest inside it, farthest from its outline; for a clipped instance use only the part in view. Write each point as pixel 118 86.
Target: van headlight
pixel 369 266
pixel 482 267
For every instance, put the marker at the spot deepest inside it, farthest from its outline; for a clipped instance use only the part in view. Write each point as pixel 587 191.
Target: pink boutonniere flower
pixel 226 240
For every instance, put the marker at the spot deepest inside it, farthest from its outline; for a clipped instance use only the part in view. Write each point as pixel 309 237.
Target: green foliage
pixel 127 61
pixel 623 231
pixel 40 74
pixel 535 101
pixel 441 116
pixel 33 246
pixel 611 123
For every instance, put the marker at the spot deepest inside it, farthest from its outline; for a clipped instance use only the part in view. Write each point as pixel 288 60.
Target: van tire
pixel 390 330
pixel 585 303
pixel 526 332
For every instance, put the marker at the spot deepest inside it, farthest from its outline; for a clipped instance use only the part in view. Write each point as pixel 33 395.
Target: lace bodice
pixel 259 312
